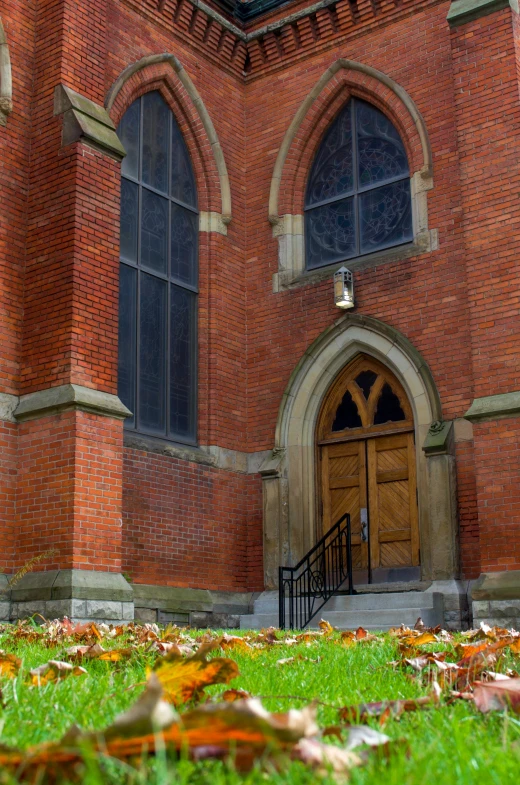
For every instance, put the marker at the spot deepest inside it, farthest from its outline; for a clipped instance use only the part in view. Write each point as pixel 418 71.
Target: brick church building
pixel 183 405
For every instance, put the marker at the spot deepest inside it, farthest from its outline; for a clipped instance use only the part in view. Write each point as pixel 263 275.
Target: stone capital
pixel 87 121
pixel 69 396
pixel 494 407
pixel 463 11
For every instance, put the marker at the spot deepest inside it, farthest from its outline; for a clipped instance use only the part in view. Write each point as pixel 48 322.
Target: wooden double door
pixel 367 467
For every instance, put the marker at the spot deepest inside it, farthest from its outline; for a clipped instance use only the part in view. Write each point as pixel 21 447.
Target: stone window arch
pixel 358 197
pixel 345 80
pixel 6 85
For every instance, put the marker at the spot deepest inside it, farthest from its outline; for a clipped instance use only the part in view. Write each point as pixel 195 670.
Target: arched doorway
pixel 366 460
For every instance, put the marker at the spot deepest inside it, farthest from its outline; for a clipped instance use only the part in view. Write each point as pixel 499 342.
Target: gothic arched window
pixel 158 276
pixel 358 194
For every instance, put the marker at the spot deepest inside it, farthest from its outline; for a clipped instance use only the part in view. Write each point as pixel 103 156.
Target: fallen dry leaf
pixel 326 627
pixel 234 642
pixel 234 695
pixel 54 670
pixel 9 664
pixel 185 678
pixel 497 695
pixel 383 710
pixel 324 758
pixel 420 640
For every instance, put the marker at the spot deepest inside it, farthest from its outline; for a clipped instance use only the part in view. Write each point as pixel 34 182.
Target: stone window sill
pixel 425 242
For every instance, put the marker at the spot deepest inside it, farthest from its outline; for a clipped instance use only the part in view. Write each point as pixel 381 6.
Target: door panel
pixel 394 540
pixel 345 490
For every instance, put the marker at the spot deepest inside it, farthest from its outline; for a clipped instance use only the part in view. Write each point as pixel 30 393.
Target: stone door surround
pixel 289 473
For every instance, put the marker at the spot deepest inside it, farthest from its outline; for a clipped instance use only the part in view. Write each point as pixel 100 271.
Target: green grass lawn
pixel 446 744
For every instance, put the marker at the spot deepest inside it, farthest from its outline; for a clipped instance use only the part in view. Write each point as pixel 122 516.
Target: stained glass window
pixel 158 278
pixel 358 195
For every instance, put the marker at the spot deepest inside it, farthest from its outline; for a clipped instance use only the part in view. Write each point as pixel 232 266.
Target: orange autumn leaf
pixel 464 650
pixel 233 642
pixel 229 696
pixel 514 645
pixel 243 727
pixel 116 655
pixel 420 640
pixel 9 665
pixel 326 627
pixel 184 678
pixel 54 670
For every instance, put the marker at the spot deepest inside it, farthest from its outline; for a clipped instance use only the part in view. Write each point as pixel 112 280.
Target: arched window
pixel 158 274
pixel 358 195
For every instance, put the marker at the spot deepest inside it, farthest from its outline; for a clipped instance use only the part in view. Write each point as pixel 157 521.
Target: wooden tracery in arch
pixel 366 399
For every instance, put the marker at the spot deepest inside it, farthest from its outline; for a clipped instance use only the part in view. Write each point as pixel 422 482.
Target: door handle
pixel 364 524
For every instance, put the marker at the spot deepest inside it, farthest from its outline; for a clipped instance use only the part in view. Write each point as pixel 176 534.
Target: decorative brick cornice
pixel 245 51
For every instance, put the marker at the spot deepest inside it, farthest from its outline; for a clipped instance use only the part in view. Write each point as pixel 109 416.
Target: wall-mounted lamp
pixel 344 288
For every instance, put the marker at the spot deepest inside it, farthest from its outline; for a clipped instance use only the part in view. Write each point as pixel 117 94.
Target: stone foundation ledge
pixel 496 599
pixel 457 614
pixel 85 595
pixel 4 599
pixel 82 595
pixel 197 607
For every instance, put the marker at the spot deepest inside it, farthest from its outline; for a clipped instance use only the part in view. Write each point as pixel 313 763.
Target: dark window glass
pixel 183 182
pixel 332 233
pixel 156 141
pixel 154 231
pixel 332 173
pixel 365 381
pixel 386 216
pixel 388 407
pixel 129 219
pixel 184 230
pixel 381 154
pixel 347 415
pixel 152 354
pixel 127 347
pixel 158 280
pixel 358 196
pixel 129 131
pixel 182 359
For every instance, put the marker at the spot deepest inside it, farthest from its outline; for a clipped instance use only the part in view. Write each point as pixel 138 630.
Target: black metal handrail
pixel 317 577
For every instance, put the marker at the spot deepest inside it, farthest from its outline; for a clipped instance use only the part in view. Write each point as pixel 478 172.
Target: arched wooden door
pixel 367 468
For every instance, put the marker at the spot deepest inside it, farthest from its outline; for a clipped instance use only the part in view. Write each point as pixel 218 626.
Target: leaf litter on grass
pixel 236 725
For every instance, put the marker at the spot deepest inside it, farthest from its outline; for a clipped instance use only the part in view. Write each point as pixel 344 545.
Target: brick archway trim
pixel 207 123
pixel 6 82
pixel 305 107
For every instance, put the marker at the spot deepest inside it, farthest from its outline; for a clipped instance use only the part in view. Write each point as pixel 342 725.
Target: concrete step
pixel 359 602
pixel 372 611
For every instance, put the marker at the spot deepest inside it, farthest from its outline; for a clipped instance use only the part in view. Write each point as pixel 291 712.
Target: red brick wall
pixel 14 179
pixel 497 459
pixel 69 491
pixel 190 525
pixel 485 62
pixel 8 443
